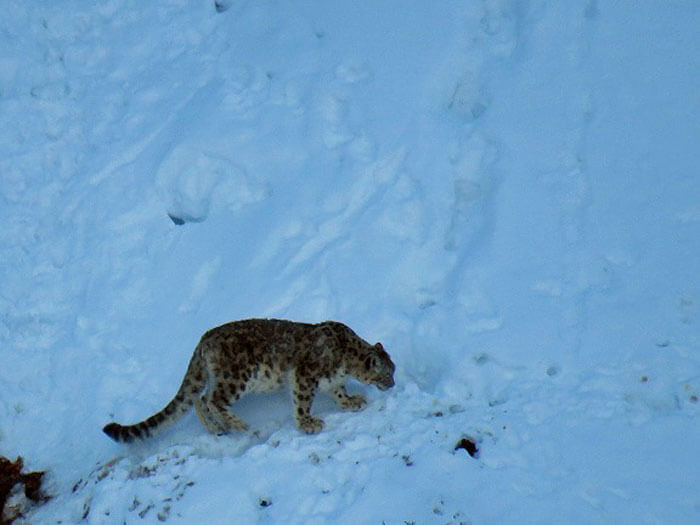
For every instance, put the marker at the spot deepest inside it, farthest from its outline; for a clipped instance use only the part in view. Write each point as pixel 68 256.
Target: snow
pixel 506 194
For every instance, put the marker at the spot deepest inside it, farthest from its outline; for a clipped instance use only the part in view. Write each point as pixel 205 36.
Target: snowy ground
pixel 505 193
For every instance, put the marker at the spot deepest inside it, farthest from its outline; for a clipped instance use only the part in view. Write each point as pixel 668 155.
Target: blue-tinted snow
pixel 506 194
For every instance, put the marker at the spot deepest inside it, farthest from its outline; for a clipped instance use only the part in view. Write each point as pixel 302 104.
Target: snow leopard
pixel 262 355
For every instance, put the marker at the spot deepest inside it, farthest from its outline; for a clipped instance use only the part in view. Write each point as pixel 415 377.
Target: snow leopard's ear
pixel 379 347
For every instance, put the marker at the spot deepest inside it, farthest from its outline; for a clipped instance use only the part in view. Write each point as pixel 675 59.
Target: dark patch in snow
pixel 264 502
pixel 143 512
pixel 164 513
pixel 221 6
pixel 553 371
pixel 10 476
pixel 469 445
pixel 428 303
pixel 77 485
pixel 481 359
pixel 182 218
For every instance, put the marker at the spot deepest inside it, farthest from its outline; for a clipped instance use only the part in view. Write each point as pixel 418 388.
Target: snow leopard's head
pixel 377 368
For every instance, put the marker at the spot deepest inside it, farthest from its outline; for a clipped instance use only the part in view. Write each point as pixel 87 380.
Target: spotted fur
pixel 261 355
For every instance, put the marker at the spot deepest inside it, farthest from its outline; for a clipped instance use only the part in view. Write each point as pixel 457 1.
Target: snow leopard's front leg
pixel 304 390
pixel 348 402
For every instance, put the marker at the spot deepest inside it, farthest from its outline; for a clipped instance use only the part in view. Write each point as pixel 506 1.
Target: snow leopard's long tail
pixel 192 385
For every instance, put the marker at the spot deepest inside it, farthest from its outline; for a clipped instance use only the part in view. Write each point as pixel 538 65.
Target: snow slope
pixel 505 193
